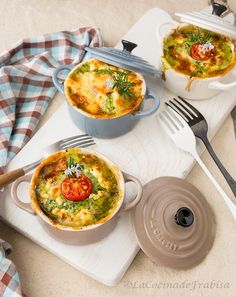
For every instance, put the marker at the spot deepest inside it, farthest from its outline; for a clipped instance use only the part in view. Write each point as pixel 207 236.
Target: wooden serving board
pixel 145 152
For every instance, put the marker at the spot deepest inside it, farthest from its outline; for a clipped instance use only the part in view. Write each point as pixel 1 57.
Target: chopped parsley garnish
pixel 96 186
pixel 200 68
pixel 104 71
pixel 195 37
pixel 85 68
pixel 82 69
pixel 187 46
pixel 109 104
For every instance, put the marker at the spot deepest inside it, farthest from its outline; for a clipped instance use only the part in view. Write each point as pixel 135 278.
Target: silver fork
pixel 181 134
pixel 83 140
pixel 199 126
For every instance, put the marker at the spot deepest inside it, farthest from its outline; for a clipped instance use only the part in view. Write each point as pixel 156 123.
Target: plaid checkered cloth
pixel 26 86
pixel 9 278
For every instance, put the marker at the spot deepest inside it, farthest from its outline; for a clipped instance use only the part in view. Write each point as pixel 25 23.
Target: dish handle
pixel 163 29
pixel 135 201
pixel 156 103
pixel 59 84
pixel 217 85
pixel 23 205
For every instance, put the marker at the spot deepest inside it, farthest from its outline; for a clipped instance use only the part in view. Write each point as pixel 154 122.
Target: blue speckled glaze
pixel 105 128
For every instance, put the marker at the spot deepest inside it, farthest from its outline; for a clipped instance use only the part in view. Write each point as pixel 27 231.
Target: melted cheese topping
pixel 91 88
pixel 97 208
pixel 177 52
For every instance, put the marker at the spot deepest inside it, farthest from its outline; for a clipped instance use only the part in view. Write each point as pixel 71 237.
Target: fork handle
pixel 229 203
pixel 9 177
pixel 231 182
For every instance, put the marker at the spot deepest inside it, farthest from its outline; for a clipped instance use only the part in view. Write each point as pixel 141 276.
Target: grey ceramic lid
pixel 124 58
pixel 174 224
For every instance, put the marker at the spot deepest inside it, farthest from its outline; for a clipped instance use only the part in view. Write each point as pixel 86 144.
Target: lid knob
pixel 184 217
pixel 128 46
pixel 218 8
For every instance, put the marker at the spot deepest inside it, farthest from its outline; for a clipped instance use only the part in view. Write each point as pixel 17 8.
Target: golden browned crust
pixel 178 54
pixel 52 159
pixel 79 100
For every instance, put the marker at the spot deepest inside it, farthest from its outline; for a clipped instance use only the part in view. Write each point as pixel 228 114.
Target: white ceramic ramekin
pixel 199 88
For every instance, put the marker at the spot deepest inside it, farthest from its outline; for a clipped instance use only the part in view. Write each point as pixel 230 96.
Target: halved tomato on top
pixel 197 52
pixel 76 188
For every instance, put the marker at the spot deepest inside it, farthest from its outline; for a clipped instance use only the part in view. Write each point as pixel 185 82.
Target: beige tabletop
pixel 43 274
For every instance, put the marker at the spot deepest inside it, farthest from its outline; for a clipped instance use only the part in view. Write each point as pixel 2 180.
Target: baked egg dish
pixel 75 188
pixel 101 90
pixel 197 52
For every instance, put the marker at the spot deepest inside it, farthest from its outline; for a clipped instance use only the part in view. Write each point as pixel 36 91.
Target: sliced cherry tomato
pixel 197 53
pixel 76 189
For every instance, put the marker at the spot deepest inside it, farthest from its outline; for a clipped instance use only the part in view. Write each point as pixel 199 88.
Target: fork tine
pixel 169 119
pixel 76 139
pixel 165 124
pixel 186 108
pixel 197 112
pixel 72 138
pixel 172 123
pixel 179 110
pixel 179 121
pixel 176 118
pixel 86 145
pixel 78 143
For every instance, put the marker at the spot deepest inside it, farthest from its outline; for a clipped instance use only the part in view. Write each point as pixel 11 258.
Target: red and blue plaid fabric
pixel 26 86
pixel 26 89
pixel 9 278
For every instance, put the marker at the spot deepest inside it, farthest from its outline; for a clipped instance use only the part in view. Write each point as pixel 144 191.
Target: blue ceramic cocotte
pixel 105 128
